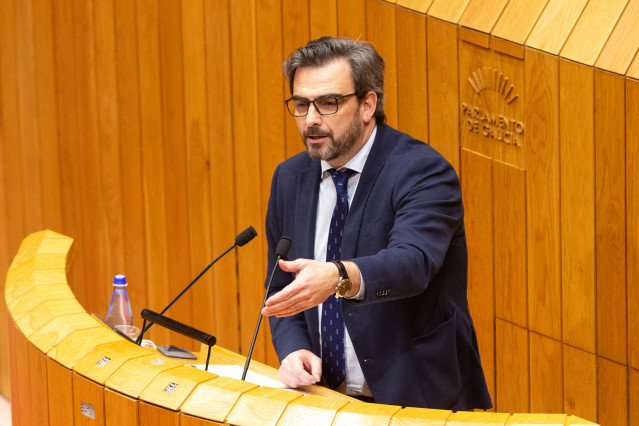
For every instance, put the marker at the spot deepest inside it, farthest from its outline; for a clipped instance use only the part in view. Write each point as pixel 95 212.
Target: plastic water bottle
pixel 119 308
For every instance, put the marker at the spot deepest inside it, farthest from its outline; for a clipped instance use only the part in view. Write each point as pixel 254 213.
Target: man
pixel 402 333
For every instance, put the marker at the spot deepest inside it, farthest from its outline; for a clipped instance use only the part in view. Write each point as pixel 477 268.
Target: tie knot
pixel 340 179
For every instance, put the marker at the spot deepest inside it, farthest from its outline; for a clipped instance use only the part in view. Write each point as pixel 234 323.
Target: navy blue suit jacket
pixel 412 333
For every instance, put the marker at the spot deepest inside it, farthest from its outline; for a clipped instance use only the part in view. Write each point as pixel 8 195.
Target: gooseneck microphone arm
pixel 280 253
pixel 242 238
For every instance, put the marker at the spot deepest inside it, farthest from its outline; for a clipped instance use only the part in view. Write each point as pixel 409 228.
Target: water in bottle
pixel 119 308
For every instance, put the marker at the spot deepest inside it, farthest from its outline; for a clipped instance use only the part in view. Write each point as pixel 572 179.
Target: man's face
pixel 334 138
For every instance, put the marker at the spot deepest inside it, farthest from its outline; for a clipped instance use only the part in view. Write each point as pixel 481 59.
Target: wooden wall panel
pixel 633 386
pixel 632 217
pixel 546 390
pixel 198 164
pixel 443 90
pixel 131 168
pixel 251 259
pixel 381 31
pixel 542 164
pixel 577 164
pixel 412 74
pixel 511 287
pixel 512 388
pixel 148 130
pixel 613 393
pixel 580 382
pixel 323 18
pixel 222 204
pixel 610 216
pixel 273 115
pixel 351 19
pixel 477 193
pixel 120 409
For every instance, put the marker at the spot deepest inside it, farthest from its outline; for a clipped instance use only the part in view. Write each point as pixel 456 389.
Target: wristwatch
pixel 344 284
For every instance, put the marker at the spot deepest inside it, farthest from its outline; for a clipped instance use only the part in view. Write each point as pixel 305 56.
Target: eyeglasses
pixel 324 105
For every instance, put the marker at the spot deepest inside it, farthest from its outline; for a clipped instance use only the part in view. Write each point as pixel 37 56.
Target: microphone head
pixel 245 236
pixel 283 247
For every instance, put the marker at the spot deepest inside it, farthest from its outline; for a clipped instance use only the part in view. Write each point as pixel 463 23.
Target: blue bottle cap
pixel 119 280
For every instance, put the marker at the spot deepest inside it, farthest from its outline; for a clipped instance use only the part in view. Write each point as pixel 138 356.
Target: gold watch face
pixel 344 287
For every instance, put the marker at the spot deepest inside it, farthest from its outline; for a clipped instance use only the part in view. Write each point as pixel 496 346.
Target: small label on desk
pixel 170 388
pixel 103 361
pixel 87 410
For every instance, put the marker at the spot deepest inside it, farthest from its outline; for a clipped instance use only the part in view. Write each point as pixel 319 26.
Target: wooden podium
pixel 68 368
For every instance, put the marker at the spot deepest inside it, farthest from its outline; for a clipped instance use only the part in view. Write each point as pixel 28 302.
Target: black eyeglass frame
pixel 336 97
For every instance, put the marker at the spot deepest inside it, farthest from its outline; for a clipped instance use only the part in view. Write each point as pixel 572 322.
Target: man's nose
pixel 313 117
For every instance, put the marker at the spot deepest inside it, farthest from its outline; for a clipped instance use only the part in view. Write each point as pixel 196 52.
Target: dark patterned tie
pixel 333 357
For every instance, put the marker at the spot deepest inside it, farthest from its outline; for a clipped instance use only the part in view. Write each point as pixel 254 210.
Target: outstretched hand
pixel 314 282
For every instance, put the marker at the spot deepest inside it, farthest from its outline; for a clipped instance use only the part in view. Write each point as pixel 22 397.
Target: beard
pixel 337 146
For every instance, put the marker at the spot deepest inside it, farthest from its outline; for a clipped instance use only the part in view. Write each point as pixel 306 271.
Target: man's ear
pixel 369 104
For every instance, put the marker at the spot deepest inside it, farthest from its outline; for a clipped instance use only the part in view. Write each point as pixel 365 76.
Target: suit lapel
pixel 374 165
pixel 308 181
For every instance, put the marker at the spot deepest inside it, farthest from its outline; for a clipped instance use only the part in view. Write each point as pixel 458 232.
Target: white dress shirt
pixel 354 383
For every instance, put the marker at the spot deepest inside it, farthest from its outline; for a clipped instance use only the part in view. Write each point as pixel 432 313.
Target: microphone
pixel 178 327
pixel 280 253
pixel 241 239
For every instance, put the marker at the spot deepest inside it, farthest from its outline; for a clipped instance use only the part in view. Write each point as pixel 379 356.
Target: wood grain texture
pixel 580 382
pixel 60 391
pixel 613 393
pixel 610 204
pixel 412 74
pixel 542 165
pixel 512 383
pixel 477 193
pixel 120 409
pixel 482 15
pixel 632 217
pixel 555 24
pixel 545 391
pixel 577 165
pixel 446 10
pixel 593 29
pixel 623 43
pixel 91 395
pixel 518 19
pixel 443 90
pixel 509 205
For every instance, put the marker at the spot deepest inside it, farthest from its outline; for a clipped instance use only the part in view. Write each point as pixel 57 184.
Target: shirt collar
pixel 357 162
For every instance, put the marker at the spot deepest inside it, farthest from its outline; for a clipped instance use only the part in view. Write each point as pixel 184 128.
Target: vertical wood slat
pixel 412 74
pixel 477 190
pixel 632 218
pixel 323 18
pixel 512 368
pixel 273 115
pixel 610 226
pixel 580 382
pixel 546 391
pixel 129 125
pixel 247 166
pixel 92 394
pixel 198 161
pixel 153 169
pixel 511 287
pixel 296 27
pixel 613 393
pixel 542 163
pixel 381 32
pixel 171 69
pixel 351 19
pixel 554 25
pixel 577 164
pixel 223 199
pixel 443 90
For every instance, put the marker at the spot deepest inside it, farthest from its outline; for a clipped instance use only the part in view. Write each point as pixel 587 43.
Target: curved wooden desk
pixel 68 368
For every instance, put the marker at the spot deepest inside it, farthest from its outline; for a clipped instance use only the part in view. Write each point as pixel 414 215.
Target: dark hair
pixel 367 65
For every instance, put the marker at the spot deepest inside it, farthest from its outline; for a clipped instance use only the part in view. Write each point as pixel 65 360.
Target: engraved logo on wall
pixel 485 116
